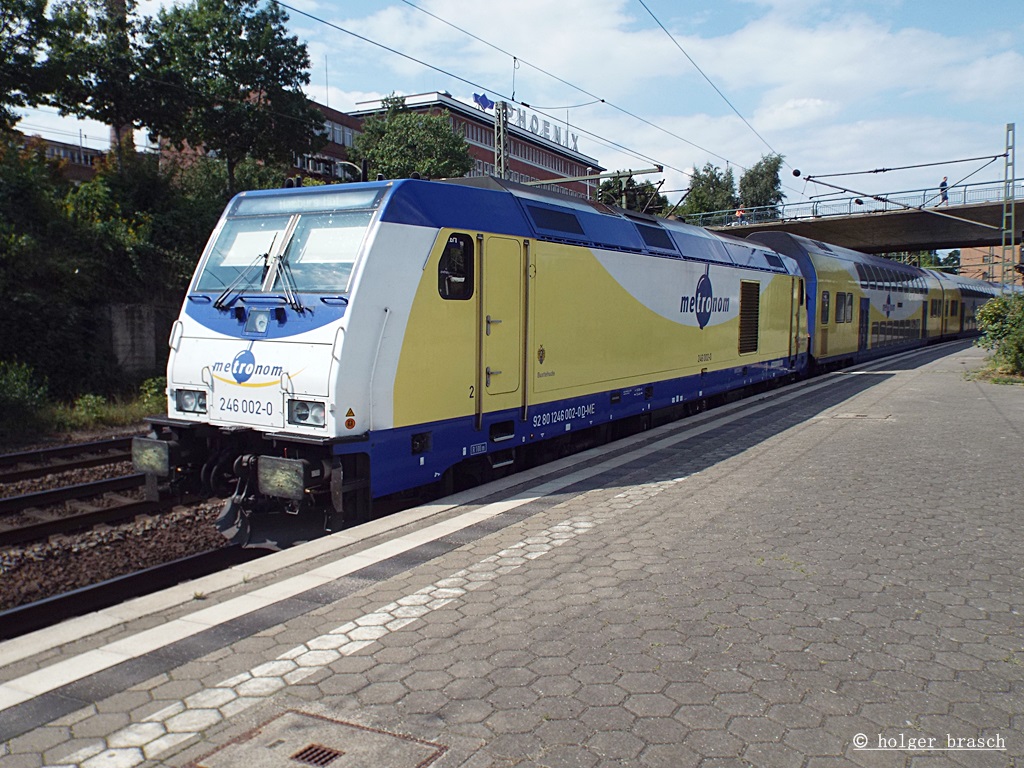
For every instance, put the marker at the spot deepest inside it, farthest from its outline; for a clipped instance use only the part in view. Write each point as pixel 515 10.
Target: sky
pixel 835 87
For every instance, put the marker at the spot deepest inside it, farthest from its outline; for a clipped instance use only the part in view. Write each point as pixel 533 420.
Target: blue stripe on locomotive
pixel 394 468
pixel 483 206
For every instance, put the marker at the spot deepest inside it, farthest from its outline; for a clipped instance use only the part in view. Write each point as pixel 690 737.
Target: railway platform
pixel 825 575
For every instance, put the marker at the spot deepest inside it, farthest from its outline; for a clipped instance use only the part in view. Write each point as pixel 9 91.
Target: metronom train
pixel 339 345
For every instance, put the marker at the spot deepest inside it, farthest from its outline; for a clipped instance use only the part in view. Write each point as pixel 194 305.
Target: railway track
pixel 75 506
pixel 53 540
pixel 40 462
pixel 52 610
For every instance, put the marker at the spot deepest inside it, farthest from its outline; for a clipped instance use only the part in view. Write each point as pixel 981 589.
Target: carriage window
pixel 840 308
pixel 849 307
pixel 824 307
pixel 455 269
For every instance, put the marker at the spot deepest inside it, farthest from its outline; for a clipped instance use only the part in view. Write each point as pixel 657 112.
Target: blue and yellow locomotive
pixel 343 344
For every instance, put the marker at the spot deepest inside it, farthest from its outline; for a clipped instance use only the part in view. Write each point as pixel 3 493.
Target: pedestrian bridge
pixel 901 221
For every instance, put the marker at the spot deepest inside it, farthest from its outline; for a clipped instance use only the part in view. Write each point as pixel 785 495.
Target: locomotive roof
pixel 490 204
pixel 487 204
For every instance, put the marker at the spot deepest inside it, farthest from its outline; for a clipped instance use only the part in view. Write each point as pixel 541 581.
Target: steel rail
pixel 39 462
pixel 13 504
pixel 41 529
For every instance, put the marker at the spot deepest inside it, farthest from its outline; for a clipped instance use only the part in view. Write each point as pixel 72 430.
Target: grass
pixel 94 412
pixel 994 374
pixel 34 417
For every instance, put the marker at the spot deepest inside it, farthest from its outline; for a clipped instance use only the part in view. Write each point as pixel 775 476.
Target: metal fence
pixel 962 194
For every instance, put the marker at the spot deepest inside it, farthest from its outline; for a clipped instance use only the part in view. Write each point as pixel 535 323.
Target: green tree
pixel 951 262
pixel 642 196
pixel 711 189
pixel 227 77
pixel 68 251
pixel 401 142
pixel 1001 321
pixel 50 275
pixel 923 259
pixel 760 186
pixel 928 260
pixel 23 32
pixel 97 49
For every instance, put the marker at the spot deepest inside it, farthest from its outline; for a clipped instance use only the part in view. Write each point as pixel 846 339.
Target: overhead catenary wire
pixel 708 79
pixel 887 201
pixel 597 138
pixel 517 60
pixel 990 158
pixel 600 139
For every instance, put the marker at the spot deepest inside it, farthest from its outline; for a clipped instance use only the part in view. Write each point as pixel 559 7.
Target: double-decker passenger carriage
pixel 957 301
pixel 861 306
pixel 341 344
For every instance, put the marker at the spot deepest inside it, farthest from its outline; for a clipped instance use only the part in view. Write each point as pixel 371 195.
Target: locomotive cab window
pixel 455 268
pixel 824 307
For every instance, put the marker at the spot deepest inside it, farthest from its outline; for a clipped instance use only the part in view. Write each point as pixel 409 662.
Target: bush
pixel 1001 321
pixel 23 400
pixel 153 395
pixel 90 408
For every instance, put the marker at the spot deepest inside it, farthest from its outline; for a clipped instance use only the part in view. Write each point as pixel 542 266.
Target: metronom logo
pixel 703 304
pixel 244 367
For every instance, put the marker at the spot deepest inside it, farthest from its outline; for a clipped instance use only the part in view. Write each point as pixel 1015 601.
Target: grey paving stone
pixel 757 595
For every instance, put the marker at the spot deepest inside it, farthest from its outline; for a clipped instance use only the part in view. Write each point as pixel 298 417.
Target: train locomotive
pixel 343 345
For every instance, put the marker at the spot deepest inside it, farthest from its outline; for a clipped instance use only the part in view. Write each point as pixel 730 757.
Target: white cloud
pixel 794 113
pixel 831 86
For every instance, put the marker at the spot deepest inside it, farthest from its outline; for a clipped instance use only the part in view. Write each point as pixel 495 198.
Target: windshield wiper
pixel 223 301
pixel 289 285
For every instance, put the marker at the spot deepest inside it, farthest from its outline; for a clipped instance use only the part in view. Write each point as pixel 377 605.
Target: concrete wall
pixel 138 335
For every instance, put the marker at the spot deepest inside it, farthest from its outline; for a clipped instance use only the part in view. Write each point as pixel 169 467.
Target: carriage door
pixel 794 320
pixel 502 324
pixel 864 324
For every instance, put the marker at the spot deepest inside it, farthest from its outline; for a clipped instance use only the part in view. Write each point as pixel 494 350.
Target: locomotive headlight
pixel 307 413
pixel 190 400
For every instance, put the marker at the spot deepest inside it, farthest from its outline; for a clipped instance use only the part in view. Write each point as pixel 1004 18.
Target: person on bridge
pixel 741 216
pixel 943 191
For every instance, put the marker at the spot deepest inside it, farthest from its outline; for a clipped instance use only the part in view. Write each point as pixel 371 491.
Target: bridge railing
pixel 961 194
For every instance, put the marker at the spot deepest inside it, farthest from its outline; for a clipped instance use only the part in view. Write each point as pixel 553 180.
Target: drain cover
pixel 317 754
pixel 294 739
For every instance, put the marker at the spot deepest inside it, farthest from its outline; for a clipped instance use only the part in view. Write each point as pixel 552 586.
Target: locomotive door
pixel 502 323
pixel 863 324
